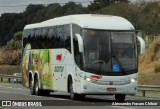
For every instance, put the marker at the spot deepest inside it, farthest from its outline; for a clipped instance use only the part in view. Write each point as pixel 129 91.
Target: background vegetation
pixel 144 16
pixel 149 65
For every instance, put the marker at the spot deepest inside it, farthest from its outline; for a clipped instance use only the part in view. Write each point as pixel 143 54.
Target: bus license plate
pixel 111 89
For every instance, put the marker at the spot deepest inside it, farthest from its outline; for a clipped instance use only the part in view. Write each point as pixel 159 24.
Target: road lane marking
pixel 51 98
pixel 26 94
pixel 4 91
pixel 12 87
pixel 45 96
pixel 120 107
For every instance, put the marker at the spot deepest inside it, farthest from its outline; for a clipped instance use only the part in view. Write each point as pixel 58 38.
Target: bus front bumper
pixel 96 89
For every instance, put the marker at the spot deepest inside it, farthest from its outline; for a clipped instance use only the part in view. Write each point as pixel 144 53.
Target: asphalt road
pixel 62 100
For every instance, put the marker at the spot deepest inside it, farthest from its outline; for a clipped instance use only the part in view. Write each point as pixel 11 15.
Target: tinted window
pixel 48 37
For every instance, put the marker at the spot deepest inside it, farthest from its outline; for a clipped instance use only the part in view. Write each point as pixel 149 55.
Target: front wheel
pixel 73 95
pixel 81 96
pixel 120 97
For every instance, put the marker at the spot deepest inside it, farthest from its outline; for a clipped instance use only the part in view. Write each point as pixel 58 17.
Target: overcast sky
pixel 18 9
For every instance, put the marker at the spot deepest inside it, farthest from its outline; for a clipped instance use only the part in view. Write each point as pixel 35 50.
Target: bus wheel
pixel 31 86
pixel 81 96
pixel 72 94
pixel 36 88
pixel 120 97
pixel 45 92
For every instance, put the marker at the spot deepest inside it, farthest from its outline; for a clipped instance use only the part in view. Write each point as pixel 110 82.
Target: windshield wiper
pixel 115 57
pixel 97 71
pixel 121 66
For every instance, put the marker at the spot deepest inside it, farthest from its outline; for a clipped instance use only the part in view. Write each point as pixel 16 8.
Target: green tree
pixel 71 8
pixel 6 24
pixel 151 11
pixel 10 23
pixel 128 11
pixel 13 45
pixel 53 10
pixel 18 36
pixel 99 4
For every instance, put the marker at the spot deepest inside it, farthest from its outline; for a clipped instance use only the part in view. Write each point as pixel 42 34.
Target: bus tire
pixel 38 92
pixel 120 97
pixel 31 86
pixel 45 92
pixel 80 96
pixel 72 94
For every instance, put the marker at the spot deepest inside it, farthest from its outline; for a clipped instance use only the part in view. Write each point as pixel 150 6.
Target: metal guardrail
pixel 11 78
pixel 145 88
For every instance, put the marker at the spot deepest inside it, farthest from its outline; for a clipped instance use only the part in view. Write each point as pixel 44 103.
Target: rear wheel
pixel 120 97
pixel 36 88
pixel 45 92
pixel 39 91
pixel 31 86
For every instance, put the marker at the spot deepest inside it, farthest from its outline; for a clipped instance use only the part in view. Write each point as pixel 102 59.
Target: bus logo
pixel 59 57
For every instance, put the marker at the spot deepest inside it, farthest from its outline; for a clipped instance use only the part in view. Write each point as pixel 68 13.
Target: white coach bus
pixel 82 55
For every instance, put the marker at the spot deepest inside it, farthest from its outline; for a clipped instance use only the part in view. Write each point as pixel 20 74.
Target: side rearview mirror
pixel 142 45
pixel 80 42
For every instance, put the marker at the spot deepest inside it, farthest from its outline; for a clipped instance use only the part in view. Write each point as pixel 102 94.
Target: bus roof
pixel 94 21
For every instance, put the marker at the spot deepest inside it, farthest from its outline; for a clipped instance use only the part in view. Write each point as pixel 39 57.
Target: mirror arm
pixel 142 44
pixel 80 42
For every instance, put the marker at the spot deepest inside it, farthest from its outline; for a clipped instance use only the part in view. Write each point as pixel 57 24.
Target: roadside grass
pixel 149 65
pixel 9 69
pixel 6 81
pixel 10 57
pixel 2 108
pixel 150 61
pixel 149 79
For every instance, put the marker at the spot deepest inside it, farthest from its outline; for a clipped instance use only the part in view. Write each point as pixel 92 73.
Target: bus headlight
pixel 133 80
pixel 88 79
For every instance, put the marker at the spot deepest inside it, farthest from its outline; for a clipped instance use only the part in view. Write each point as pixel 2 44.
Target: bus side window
pixel 68 43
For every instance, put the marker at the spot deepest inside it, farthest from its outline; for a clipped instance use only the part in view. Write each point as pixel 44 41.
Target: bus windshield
pixel 107 52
